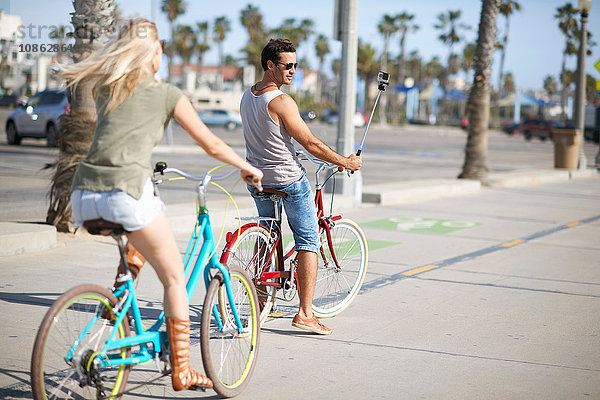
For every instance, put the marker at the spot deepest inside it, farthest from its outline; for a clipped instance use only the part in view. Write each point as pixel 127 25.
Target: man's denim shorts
pixel 116 206
pixel 300 211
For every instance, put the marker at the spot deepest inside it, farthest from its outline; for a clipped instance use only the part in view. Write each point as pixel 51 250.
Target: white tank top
pixel 268 145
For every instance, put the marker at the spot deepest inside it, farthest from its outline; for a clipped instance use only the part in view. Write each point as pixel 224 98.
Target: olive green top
pixel 119 157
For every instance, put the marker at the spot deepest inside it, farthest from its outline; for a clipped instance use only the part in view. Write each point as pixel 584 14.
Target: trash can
pixel 566 148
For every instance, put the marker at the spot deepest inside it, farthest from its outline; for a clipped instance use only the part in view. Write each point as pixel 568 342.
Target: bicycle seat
pixel 268 191
pixel 103 227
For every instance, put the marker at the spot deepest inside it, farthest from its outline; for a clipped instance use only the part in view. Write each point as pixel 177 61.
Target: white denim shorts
pixel 116 206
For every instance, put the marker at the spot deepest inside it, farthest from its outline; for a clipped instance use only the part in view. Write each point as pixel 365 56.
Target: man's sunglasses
pixel 289 65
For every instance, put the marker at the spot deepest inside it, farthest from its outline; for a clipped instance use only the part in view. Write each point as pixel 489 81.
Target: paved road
pixel 494 295
pixel 391 155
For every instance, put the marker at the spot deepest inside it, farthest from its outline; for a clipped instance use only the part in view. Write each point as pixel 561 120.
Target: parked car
pixel 38 117
pixel 539 127
pixel 308 115
pixel 512 129
pixel 358 120
pixel 218 117
pixel 9 100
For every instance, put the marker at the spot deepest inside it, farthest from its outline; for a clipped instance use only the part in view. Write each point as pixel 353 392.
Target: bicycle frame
pixel 201 248
pixel 325 223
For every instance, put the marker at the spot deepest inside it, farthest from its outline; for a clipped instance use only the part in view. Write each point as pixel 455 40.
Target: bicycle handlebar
pixel 316 161
pixel 161 168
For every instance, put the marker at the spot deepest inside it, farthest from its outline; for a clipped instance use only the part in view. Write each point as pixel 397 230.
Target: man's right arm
pixel 286 111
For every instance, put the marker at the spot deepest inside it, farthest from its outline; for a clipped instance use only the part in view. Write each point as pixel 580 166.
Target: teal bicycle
pixel 92 343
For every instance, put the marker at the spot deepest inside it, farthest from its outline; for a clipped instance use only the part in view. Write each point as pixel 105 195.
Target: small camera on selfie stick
pixel 384 80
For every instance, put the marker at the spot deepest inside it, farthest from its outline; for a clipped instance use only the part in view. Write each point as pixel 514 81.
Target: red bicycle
pixel 257 247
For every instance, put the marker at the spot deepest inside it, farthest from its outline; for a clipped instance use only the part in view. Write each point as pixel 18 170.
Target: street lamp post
pixel 584 9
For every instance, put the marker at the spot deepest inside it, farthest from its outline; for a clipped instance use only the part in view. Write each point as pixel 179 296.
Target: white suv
pixel 38 118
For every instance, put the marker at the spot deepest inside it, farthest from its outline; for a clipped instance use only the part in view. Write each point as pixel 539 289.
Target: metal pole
pixel 580 89
pixel 345 135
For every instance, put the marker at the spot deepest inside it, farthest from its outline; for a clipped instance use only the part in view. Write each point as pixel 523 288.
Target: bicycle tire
pixel 242 253
pixel 51 375
pixel 336 288
pixel 229 358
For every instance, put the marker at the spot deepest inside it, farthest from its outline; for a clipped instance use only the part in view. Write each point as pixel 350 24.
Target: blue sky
pixel 534 49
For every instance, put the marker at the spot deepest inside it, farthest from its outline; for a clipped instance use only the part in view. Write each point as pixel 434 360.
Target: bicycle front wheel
pixel 65 363
pixel 336 287
pixel 228 355
pixel 250 251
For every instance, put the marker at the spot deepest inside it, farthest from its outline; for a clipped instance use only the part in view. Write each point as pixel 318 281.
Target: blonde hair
pixel 121 64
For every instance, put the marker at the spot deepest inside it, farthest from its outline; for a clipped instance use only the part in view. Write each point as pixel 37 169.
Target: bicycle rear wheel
pixel 337 287
pixel 250 251
pixel 68 343
pixel 229 357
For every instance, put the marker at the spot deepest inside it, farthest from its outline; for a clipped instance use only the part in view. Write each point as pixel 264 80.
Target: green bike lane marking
pixel 384 281
pixel 419 224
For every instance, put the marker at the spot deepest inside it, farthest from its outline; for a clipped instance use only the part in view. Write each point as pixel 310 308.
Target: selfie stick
pixel 383 78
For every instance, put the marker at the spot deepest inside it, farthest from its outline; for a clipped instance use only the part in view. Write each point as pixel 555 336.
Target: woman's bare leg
pixel 157 244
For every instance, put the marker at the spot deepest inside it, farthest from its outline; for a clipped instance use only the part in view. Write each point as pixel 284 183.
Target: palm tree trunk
pixel 478 104
pixel 382 106
pixel 320 81
pixel 221 62
pixel 563 91
pixel 92 26
pixel 502 54
pixel 171 52
pixel 402 56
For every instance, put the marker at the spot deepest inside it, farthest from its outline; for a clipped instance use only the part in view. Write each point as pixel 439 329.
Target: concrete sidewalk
pixel 19 238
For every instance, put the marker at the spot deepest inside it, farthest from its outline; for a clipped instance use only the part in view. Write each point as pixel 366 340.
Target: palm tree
pixel 550 86
pixel 566 16
pixel 221 27
pixel 322 49
pixel 368 67
pixel 404 26
pixel 202 45
pixel 295 33
pixel 173 9
pixel 414 64
pixel 567 23
pixel 185 43
pixel 93 23
pixel 435 70
pixel 506 8
pixel 305 29
pixel 252 20
pixel 509 83
pixel 387 27
pixel 451 31
pixel 478 103
pixel 468 55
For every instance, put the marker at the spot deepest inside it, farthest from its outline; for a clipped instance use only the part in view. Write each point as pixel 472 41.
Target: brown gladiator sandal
pixel 182 374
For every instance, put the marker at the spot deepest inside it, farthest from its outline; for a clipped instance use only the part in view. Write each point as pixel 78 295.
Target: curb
pixel 18 238
pixel 430 189
pixel 536 177
pixel 418 190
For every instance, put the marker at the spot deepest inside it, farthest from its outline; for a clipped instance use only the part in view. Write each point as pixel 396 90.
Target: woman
pixel 113 181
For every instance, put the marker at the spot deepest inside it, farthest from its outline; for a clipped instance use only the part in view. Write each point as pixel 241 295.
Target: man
pixel 270 119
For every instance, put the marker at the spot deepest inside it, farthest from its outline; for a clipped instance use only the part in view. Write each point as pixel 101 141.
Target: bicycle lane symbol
pixel 419 224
